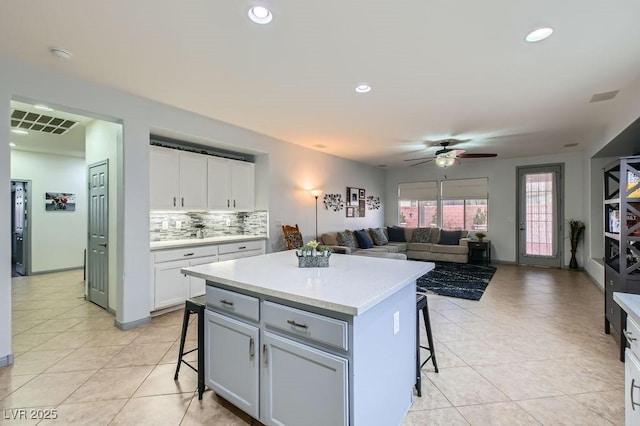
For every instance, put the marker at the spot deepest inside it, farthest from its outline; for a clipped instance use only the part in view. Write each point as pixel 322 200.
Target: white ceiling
pixel 71 143
pixel 448 68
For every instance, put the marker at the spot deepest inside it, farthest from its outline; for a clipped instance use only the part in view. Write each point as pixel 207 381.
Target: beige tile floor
pixel 531 352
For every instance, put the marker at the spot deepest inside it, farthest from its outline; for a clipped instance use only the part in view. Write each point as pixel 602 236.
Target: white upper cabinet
pixel 178 179
pixel 231 184
pixel 193 181
pixel 164 178
pixel 219 184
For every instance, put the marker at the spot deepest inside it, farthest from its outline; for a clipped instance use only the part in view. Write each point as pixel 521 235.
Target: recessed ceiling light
pixel 363 88
pixel 260 15
pixel 12 145
pixel 19 132
pixel 42 107
pixel 60 53
pixel 539 34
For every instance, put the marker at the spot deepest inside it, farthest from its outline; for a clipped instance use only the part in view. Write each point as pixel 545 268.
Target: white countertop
pixel 350 285
pixel 630 303
pixel 191 242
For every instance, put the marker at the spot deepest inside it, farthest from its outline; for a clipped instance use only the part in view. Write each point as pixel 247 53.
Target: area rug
pixel 462 280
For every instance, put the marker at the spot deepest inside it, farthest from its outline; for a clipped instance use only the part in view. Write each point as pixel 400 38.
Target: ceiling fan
pixel 446 157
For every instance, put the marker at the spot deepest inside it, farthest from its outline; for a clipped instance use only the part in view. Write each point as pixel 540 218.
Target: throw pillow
pixel 396 234
pixel 364 240
pixel 450 238
pixel 421 235
pixel 377 234
pixel 295 240
pixel 345 239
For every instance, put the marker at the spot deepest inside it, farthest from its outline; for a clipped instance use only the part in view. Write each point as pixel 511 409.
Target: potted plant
pixel 576 230
pixel 480 236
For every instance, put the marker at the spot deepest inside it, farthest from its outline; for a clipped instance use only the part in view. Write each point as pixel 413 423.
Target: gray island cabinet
pixel 312 346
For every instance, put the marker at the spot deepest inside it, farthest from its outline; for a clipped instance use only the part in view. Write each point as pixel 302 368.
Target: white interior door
pixel 98 230
pixel 540 215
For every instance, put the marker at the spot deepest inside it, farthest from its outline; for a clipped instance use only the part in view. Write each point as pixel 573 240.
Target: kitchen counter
pixel 336 333
pixel 192 242
pixel 630 303
pixel 350 285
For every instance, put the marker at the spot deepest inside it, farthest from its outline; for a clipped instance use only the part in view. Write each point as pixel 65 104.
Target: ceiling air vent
pixel 604 96
pixel 40 122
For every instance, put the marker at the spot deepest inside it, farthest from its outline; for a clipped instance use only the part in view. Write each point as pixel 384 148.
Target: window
pixel 463 204
pixel 418 204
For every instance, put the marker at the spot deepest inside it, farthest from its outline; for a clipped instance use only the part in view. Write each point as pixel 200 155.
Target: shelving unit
pixel 621 240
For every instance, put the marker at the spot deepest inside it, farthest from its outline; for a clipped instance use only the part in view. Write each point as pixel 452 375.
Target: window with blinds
pixel 462 204
pixel 465 204
pixel 418 204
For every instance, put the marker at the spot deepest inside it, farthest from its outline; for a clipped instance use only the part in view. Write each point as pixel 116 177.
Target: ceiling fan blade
pixel 472 155
pixel 418 159
pixel 422 162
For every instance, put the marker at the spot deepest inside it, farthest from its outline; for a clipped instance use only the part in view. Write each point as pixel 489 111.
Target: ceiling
pixel 438 69
pixel 71 142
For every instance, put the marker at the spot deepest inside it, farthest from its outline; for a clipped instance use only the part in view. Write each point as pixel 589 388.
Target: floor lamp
pixel 316 193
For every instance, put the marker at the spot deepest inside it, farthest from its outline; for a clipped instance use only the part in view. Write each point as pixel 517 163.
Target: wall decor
pixel 356 199
pixel 373 203
pixel 350 211
pixel 353 196
pixel 333 202
pixel 59 202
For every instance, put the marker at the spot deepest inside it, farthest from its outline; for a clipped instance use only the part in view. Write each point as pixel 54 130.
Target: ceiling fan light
pixel 445 162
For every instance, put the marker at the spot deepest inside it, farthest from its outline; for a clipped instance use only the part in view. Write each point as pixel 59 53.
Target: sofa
pixel 431 244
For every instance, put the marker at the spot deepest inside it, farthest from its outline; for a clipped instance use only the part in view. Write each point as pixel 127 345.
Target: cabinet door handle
pixel 292 323
pixel 264 355
pixel 242 247
pixel 227 303
pixel 227 203
pixel 251 349
pixel 633 385
pixel 174 201
pixel 182 202
pixel 188 254
pixel 629 336
pixel 234 203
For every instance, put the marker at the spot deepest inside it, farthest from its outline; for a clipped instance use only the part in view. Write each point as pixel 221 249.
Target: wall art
pixel 373 203
pixel 59 202
pixel 357 200
pixel 333 202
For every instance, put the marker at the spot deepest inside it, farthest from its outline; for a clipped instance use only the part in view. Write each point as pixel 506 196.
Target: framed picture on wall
pixel 59 202
pixel 353 196
pixel 350 211
pixel 362 194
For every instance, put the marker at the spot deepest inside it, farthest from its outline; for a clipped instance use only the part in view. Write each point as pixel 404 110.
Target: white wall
pixel 291 170
pixel 102 141
pixel 58 238
pixel 501 174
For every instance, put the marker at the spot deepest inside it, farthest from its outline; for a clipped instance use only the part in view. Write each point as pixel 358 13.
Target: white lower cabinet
pixel 275 378
pixel 232 362
pixel 632 389
pixel 302 385
pixel 197 286
pixel 171 285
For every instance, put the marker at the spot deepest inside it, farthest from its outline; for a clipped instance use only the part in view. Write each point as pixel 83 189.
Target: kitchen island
pixel 313 346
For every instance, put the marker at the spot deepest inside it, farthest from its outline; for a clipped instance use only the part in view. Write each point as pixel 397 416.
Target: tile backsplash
pixel 216 224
